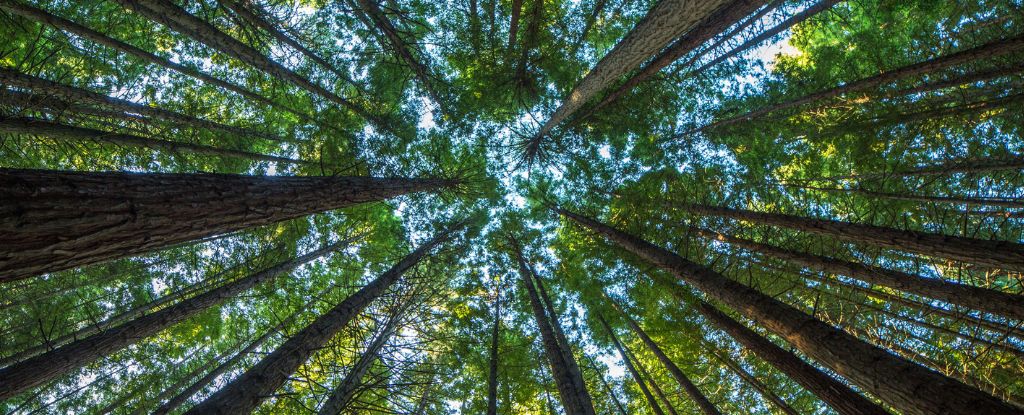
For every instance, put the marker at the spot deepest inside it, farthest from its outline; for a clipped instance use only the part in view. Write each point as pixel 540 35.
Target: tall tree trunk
pixel 56 220
pixel 598 9
pixel 654 385
pixel 1012 203
pixel 574 402
pixel 529 42
pixel 178 19
pixel 343 394
pixel 563 342
pixel 997 254
pixel 513 25
pixel 72 94
pixel 492 372
pixel 667 20
pixel 714 24
pixel 705 405
pixel 632 369
pixel 245 393
pixel 989 50
pixel 39 15
pixel 761 387
pixel 607 387
pixel 967 166
pixel 983 299
pixel 906 386
pixel 38 370
pixel 61 132
pixel 402 49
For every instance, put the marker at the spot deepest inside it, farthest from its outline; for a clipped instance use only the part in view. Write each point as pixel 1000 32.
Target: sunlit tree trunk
pixel 905 385
pixel 632 369
pixel 38 370
pixel 56 220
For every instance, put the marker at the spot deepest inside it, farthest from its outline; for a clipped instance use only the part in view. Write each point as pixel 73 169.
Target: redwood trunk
pixel 632 369
pixel 563 342
pixel 513 25
pixel 761 388
pixel 954 200
pixel 654 385
pixel 492 373
pixel 38 370
pixel 997 254
pixel 343 394
pixel 906 386
pixel 969 166
pixel 245 393
pixel 990 301
pixel 56 220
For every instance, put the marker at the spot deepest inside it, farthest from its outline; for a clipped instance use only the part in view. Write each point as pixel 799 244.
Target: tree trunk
pixel 654 385
pixel 178 19
pixel 983 299
pixel 38 370
pixel 979 53
pixel 492 373
pixel 956 200
pixel 513 25
pixel 529 42
pixel 996 254
pixel 599 6
pixel 61 132
pixel 563 342
pixel 632 369
pixel 906 386
pixel 245 393
pixel 607 387
pixel 967 166
pixel 667 20
pixel 574 402
pixel 72 94
pixel 705 405
pixel 39 15
pixel 56 220
pixel 761 388
pixel 343 394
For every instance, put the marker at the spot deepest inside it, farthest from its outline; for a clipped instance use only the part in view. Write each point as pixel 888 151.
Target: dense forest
pixel 492 207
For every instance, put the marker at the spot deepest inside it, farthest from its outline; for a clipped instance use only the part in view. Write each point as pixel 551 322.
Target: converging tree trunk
pixel 1011 203
pixel 38 370
pixel 758 385
pixel 56 220
pixel 968 166
pixel 660 393
pixel 632 369
pixel 492 372
pixel 343 394
pixel 607 387
pixel 906 386
pixel 246 392
pixel 983 299
pixel 997 254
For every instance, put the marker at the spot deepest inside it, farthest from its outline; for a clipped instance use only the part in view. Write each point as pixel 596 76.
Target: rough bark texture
pixel 705 405
pixel 986 51
pixel 72 94
pixel 997 254
pixel 492 372
pixel 178 19
pixel 43 128
pixel 991 301
pixel 573 401
pixel 56 220
pixel 40 369
pixel 575 374
pixel 246 392
pixel 346 390
pixel 667 20
pixel 761 388
pixel 632 369
pixel 906 386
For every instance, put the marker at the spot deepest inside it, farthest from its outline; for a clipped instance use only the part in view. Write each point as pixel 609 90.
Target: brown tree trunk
pixel 56 220
pixel 956 200
pixel 529 42
pixel 38 370
pixel 343 394
pixel 632 369
pixel 513 25
pixel 986 51
pixel 573 401
pixel 983 299
pixel 492 373
pixel 607 387
pixel 906 386
pixel 705 405
pixel 761 388
pixel 667 20
pixel 968 166
pixel 563 342
pixel 996 254
pixel 71 94
pixel 654 386
pixel 61 132
pixel 39 15
pixel 245 393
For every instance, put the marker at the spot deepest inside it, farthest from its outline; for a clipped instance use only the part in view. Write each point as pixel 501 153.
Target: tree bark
pixel 904 385
pixel 38 370
pixel 989 50
pixel 990 301
pixel 61 132
pixel 563 342
pixel 667 20
pixel 343 394
pixel 245 393
pixel 632 369
pixel 492 373
pixel 996 254
pixel 72 94
pixel 56 220
pixel 513 25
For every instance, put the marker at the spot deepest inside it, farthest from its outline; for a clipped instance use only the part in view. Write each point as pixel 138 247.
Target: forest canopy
pixel 512 207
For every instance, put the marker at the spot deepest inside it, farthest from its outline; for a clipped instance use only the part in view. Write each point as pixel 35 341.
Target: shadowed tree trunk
pixel 38 370
pixel 513 24
pixel 905 385
pixel 954 200
pixel 654 385
pixel 61 132
pixel 346 390
pixel 492 373
pixel 983 299
pixel 997 254
pixel 761 388
pixel 245 393
pixel 563 342
pixel 56 220
pixel 632 369
pixel 968 166
pixel 667 20
pixel 607 387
